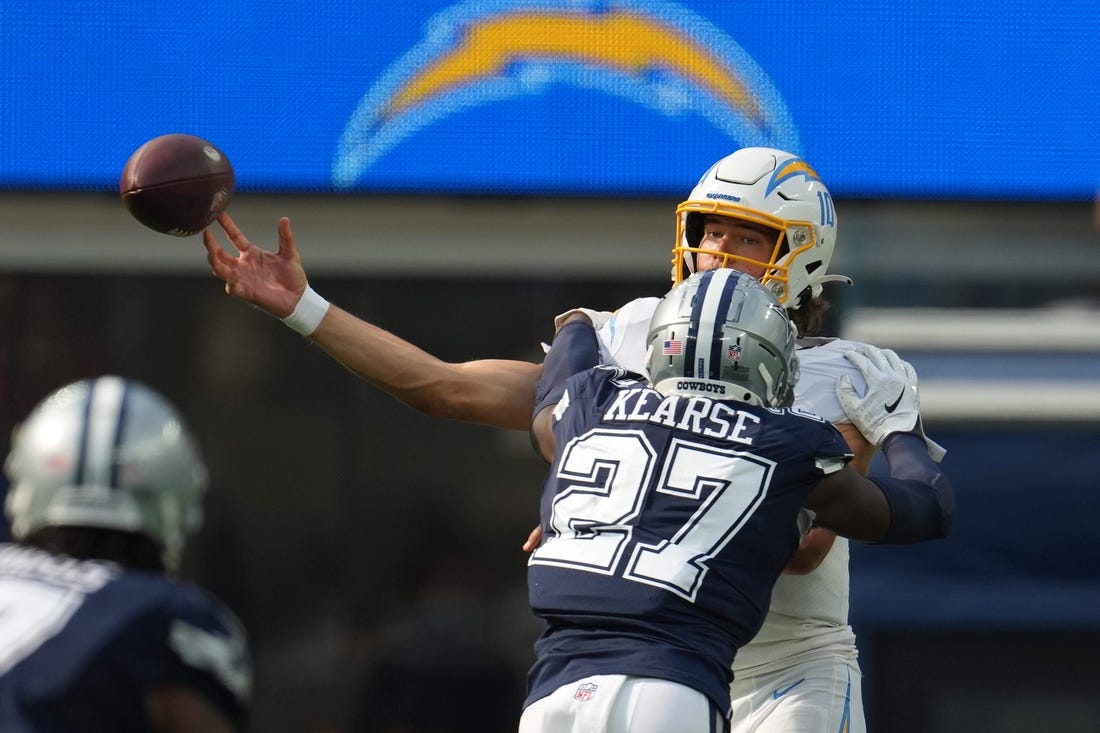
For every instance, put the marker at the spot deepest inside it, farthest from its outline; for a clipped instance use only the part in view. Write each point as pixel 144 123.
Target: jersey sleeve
pixel 585 394
pixel 829 448
pixel 821 366
pixel 206 650
pixel 623 337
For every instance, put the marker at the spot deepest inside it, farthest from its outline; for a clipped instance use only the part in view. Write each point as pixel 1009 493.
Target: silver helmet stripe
pixel 737 335
pixel 708 315
pixel 102 435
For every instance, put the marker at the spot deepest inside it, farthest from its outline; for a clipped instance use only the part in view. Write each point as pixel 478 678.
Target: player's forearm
pixel 921 497
pixel 497 393
pixel 574 350
pixel 811 551
pixel 819 541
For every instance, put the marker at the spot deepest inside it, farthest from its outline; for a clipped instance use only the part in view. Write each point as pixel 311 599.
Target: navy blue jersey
pixel 666 522
pixel 82 642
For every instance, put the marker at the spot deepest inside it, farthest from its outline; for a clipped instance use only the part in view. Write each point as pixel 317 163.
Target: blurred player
pixel 672 506
pixel 106 483
pixel 764 211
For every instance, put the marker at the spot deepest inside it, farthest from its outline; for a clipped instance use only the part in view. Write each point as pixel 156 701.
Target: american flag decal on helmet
pixel 672 347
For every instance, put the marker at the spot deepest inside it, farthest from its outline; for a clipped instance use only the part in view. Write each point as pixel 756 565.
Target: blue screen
pixel 604 98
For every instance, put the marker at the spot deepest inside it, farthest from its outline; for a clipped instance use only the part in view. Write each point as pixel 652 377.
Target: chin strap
pixel 836 279
pixel 816 287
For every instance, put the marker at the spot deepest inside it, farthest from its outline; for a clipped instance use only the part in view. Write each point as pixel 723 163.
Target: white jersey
pixel 808 616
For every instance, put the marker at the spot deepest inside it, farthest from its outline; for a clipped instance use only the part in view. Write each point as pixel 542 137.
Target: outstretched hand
pixel 272 281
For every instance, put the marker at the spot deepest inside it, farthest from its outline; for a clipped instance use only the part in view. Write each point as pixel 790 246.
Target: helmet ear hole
pixel 693 228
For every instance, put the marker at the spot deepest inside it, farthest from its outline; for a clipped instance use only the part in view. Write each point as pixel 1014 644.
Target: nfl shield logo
pixel 733 353
pixel 585 691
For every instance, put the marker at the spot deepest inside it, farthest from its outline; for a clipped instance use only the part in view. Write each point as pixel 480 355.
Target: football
pixel 177 184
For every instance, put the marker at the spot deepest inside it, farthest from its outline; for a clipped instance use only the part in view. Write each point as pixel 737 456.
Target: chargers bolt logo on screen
pixel 656 54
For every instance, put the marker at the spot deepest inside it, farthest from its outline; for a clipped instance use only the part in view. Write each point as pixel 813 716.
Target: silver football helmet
pixel 721 334
pixel 775 189
pixel 108 453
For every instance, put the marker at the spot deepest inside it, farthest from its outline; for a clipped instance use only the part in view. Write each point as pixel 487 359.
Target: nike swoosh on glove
pixel 891 403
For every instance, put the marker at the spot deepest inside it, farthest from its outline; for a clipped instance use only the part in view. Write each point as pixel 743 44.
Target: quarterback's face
pixel 736 237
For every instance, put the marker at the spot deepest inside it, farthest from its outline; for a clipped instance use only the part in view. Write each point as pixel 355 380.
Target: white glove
pixel 598 318
pixel 891 403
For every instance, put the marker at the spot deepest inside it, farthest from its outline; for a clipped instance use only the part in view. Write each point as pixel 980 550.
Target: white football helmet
pixel 721 334
pixel 778 190
pixel 108 453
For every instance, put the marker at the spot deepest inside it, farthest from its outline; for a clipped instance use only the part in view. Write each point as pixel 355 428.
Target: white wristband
pixel 308 313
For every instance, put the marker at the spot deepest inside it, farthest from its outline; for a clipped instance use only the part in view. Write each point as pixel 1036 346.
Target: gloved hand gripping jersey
pixel 891 403
pixel 921 498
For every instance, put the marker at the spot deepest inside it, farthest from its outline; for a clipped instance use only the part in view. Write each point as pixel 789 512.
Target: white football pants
pixel 617 703
pixel 823 696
